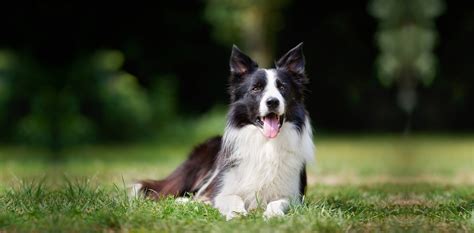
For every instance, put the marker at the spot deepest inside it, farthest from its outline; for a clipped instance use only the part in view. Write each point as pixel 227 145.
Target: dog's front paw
pixel 276 209
pixel 235 209
pixel 230 206
pixel 270 213
pixel 234 214
pixel 135 191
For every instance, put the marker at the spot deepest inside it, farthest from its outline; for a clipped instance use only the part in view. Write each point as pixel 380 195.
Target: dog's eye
pixel 280 86
pixel 257 88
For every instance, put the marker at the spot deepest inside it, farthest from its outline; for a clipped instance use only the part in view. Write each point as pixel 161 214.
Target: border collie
pixel 260 160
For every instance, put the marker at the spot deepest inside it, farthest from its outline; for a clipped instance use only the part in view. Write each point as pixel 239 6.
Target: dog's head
pixel 267 98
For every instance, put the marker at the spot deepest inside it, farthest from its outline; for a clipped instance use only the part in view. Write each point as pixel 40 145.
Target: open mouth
pixel 270 124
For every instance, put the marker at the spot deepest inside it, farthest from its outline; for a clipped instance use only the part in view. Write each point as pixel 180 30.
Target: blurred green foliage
pixel 94 100
pixel 406 38
pixel 124 105
pixel 5 60
pixel 251 24
pixel 163 99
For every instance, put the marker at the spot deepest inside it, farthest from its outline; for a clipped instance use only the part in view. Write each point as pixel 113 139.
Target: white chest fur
pixel 268 169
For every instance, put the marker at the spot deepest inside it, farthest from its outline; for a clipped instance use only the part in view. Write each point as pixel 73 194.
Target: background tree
pixel 250 24
pixel 406 38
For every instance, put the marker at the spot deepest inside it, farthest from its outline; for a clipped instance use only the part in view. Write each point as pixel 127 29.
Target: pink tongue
pixel 270 126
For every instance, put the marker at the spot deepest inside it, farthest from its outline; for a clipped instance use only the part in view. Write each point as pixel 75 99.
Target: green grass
pixel 369 183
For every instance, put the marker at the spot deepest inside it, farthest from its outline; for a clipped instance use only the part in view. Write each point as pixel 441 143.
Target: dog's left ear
pixel 293 60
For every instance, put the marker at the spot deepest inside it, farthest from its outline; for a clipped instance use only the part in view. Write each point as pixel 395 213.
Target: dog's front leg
pixel 276 208
pixel 230 206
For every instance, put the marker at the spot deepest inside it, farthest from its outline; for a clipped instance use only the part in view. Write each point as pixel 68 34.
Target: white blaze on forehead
pixel 271 91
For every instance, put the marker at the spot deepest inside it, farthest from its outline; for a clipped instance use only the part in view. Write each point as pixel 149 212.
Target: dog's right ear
pixel 241 64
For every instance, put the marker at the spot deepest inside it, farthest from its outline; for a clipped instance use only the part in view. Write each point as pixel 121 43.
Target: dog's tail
pixel 188 177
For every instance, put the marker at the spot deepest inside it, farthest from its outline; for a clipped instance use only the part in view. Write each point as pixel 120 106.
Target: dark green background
pixel 182 70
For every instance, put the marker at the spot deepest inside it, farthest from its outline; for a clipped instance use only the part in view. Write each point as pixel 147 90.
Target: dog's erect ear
pixel 241 64
pixel 293 60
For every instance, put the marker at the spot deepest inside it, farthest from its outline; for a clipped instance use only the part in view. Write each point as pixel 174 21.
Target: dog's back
pixel 188 177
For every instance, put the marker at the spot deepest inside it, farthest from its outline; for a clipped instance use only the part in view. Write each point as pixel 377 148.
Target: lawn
pixel 358 183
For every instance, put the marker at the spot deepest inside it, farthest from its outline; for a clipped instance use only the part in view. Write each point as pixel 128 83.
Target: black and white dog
pixel 260 160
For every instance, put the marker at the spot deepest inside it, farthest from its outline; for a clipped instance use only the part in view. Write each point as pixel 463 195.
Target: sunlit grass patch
pixel 394 158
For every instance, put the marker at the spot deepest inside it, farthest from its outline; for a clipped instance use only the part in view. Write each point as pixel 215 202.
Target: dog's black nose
pixel 272 103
